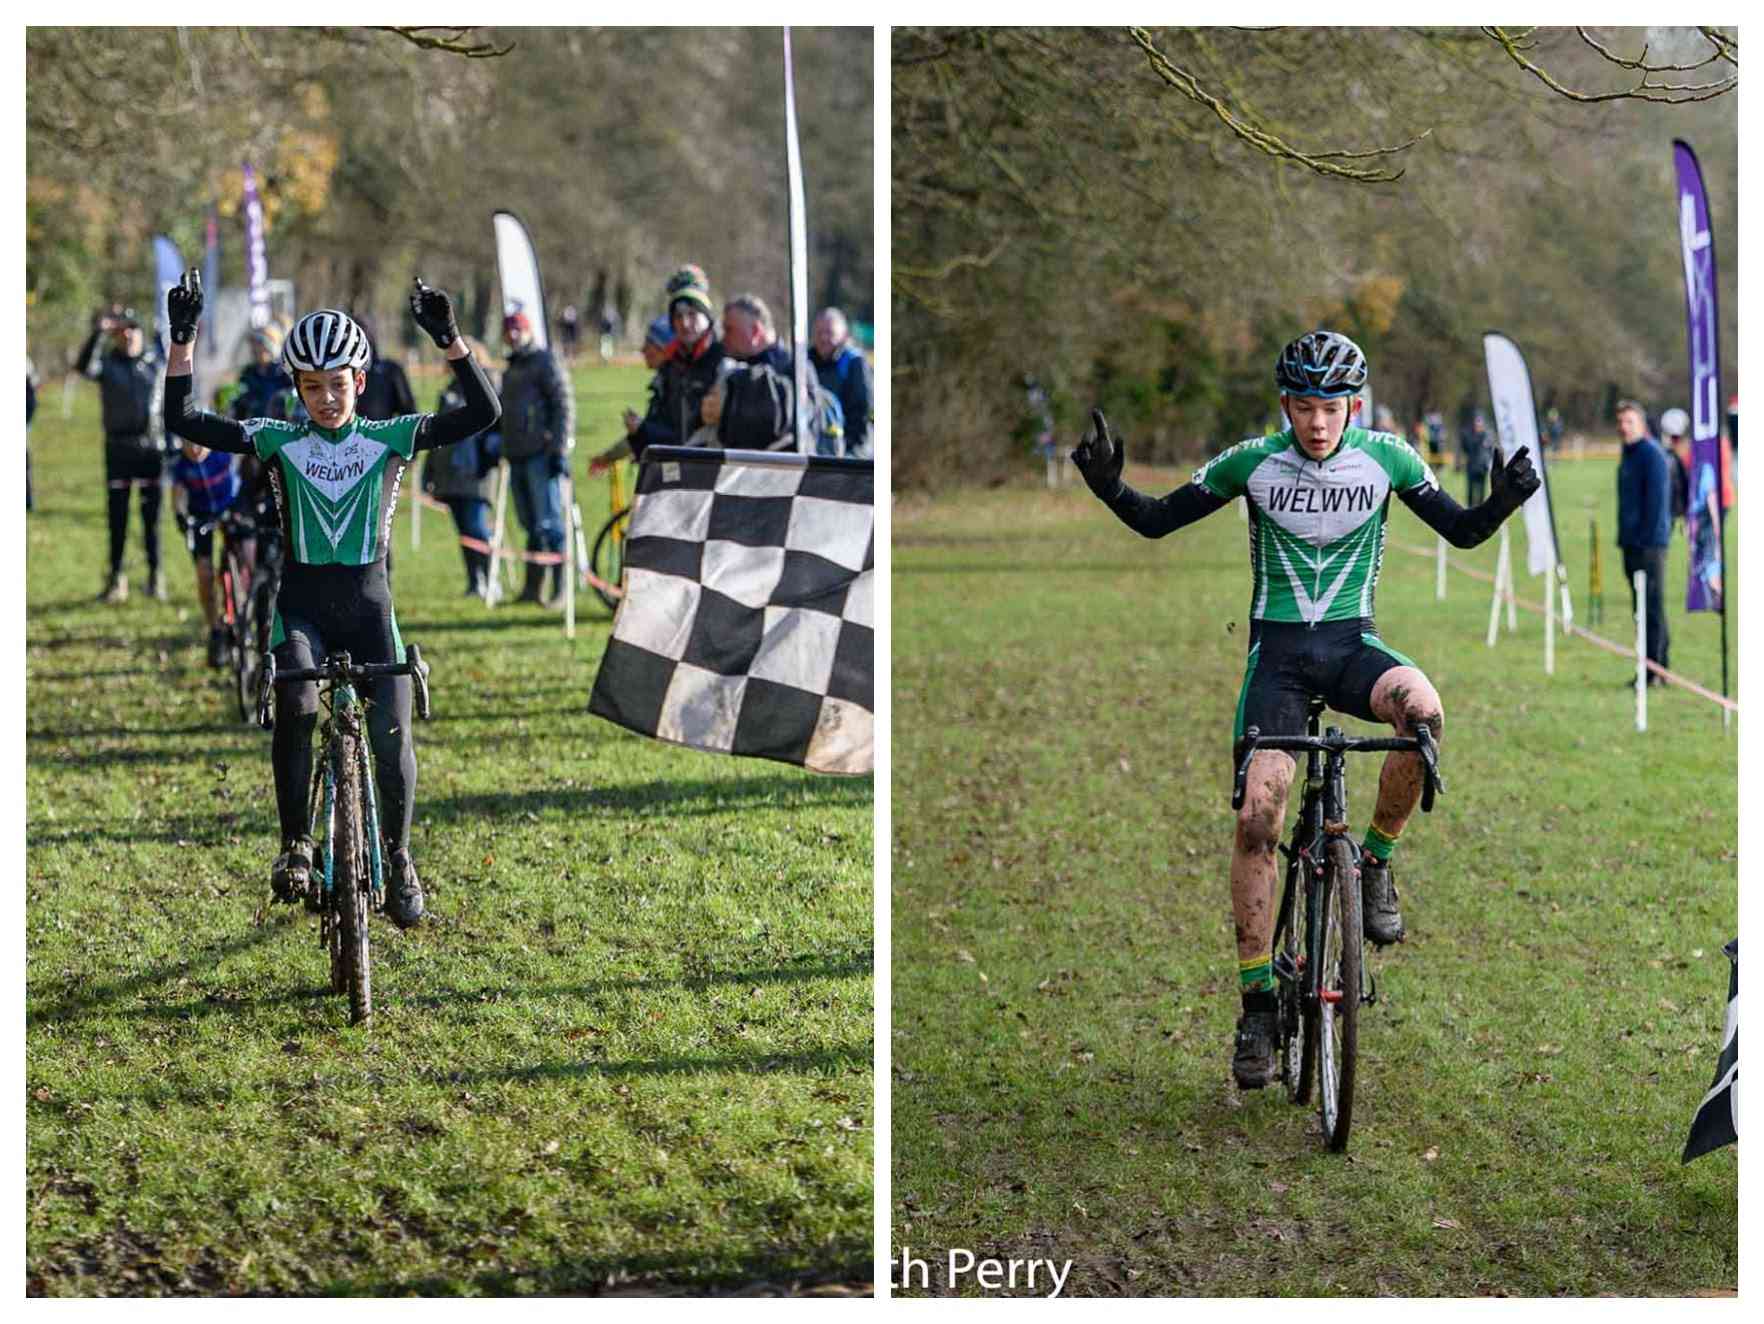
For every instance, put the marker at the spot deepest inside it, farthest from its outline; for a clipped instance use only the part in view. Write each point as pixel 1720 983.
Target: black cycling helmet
pixel 1321 363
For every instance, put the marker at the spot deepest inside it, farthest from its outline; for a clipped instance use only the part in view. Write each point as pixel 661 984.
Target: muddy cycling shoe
pixel 404 894
pixel 1378 901
pixel 116 590
pixel 291 875
pixel 217 647
pixel 156 586
pixel 1252 1065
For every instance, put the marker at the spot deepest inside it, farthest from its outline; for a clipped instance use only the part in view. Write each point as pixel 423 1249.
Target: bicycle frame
pixel 1310 974
pixel 344 711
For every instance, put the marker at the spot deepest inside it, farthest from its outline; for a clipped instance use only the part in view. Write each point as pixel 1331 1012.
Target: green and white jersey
pixel 1316 526
pixel 337 489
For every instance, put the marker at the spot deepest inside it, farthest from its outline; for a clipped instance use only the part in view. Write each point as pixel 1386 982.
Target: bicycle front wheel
pixel 1338 1008
pixel 350 882
pixel 247 662
pixel 607 565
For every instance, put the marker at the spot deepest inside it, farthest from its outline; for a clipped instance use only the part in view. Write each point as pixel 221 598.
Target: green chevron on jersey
pixel 337 488
pixel 1316 526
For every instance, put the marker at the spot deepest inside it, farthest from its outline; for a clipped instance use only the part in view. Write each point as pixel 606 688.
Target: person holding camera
pixel 131 384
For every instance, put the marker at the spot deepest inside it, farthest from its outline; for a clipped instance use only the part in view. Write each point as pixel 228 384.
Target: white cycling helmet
pixel 1675 423
pixel 325 340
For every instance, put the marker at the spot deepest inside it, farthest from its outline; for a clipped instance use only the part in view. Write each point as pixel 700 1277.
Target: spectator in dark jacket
pixel 1474 447
pixel 462 475
pixel 844 370
pixel 688 372
pixel 750 335
pixel 30 413
pixel 1644 521
pixel 387 392
pixel 264 387
pixel 131 384
pixel 538 430
pixel 1675 440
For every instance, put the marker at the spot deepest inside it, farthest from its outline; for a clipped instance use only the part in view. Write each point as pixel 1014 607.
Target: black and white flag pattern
pixel 748 621
pixel 1717 1120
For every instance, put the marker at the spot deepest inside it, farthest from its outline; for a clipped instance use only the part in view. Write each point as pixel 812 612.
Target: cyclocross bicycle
pixel 348 868
pixel 1319 965
pixel 606 567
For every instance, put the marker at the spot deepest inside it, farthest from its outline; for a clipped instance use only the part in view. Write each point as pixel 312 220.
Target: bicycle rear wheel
pixel 607 565
pixel 1338 1010
pixel 350 884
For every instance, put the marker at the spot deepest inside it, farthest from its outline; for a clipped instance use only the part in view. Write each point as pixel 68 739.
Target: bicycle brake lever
pixel 1247 744
pixel 419 675
pixel 1431 782
pixel 266 686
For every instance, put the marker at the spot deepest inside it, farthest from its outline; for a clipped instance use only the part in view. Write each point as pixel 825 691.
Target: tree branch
pixel 1645 88
pixel 1259 138
pixel 452 42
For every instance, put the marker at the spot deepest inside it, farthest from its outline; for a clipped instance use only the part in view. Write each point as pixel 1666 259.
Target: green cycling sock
pixel 1378 845
pixel 1257 975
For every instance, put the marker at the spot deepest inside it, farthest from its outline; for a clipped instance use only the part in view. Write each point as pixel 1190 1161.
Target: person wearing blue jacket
pixel 1644 522
pixel 846 372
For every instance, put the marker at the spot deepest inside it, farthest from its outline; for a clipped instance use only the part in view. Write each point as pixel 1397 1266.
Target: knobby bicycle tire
pixel 244 643
pixel 1338 1028
pixel 1291 1045
pixel 608 561
pixel 350 882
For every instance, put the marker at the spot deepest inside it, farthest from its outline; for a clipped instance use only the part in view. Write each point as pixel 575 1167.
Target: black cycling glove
pixel 433 311
pixel 1099 458
pixel 183 307
pixel 1510 483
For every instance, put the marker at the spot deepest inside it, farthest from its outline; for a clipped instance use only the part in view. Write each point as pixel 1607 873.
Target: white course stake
pixel 1641 650
pixel 498 564
pixel 1503 570
pixel 1550 627
pixel 569 565
pixel 1439 576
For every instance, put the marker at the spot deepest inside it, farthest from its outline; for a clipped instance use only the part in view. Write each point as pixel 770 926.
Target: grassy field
pixel 1064 986
pixel 632 1053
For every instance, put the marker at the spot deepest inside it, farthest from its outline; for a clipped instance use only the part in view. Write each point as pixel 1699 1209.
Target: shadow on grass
pixel 105 732
pixel 812 1061
pixel 840 1268
pixel 96 997
pixel 859 964
pixel 701 796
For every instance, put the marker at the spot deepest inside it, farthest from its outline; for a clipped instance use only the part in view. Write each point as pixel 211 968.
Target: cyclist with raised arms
pixel 336 478
pixel 1319 499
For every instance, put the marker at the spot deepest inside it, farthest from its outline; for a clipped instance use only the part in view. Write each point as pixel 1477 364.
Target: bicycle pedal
pixel 1369 994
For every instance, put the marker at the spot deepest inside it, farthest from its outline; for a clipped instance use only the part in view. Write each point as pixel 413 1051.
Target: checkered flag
pixel 1717 1120
pixel 748 621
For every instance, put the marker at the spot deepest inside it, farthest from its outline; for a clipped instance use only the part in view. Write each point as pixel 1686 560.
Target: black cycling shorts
pixel 1338 661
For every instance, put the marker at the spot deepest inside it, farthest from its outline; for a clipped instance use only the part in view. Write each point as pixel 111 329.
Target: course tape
pixel 1536 609
pixel 479 545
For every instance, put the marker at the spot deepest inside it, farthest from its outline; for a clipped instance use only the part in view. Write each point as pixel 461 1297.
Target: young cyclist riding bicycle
pixel 336 480
pixel 1319 499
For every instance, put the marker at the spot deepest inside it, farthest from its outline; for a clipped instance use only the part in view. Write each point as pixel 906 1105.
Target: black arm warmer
pixel 480 410
pixel 183 419
pixel 1458 526
pixel 1153 517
